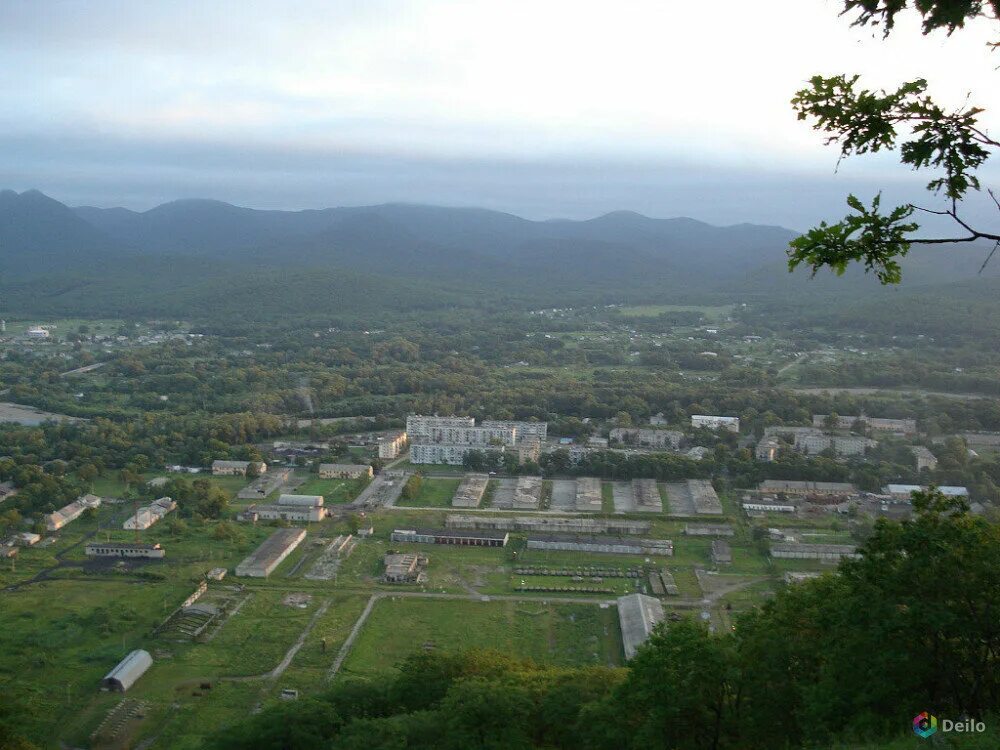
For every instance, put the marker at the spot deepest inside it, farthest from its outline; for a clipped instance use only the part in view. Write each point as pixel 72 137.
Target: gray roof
pixel 129 669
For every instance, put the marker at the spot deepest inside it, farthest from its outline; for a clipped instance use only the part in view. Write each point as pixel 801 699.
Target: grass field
pixel 332 490
pixel 545 632
pixel 434 493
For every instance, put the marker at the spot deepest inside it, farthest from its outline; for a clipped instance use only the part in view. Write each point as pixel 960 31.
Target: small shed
pixel 129 669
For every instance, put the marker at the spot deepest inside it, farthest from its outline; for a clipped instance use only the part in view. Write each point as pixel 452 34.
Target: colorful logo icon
pixel 924 725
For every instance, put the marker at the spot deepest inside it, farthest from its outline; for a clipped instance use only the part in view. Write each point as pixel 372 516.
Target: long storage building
pixel 272 551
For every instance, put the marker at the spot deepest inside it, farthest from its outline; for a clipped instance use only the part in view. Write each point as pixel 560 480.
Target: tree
pixel 928 136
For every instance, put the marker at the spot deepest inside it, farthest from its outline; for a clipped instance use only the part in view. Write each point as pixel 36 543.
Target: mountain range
pixel 192 255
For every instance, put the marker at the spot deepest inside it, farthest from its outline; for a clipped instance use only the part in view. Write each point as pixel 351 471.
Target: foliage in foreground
pixel 849 657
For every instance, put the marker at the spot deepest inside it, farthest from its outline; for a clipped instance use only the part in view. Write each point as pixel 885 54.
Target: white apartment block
pixel 418 427
pixel 436 453
pixel 539 430
pixel 646 438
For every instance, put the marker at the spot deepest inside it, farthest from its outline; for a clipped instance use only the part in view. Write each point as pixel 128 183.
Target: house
pixel 924 458
pixel 345 471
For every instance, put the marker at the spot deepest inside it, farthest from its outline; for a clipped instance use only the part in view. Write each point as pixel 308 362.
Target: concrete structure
pixel 721 553
pixel 451 536
pixel 302 501
pixel 216 574
pixel 706 501
pixel 345 471
pixel 638 614
pixel 824 552
pixel 390 446
pixel 646 438
pixel 301 513
pixel 129 669
pixel 902 492
pixel 902 426
pixel 612 545
pixel 704 529
pixel 715 422
pixel 269 555
pixel 548 524
pixel 148 515
pixel 470 492
pixel 124 549
pixel 647 496
pixel 793 487
pixel 58 519
pixel 222 468
pixel 527 493
pixel 36 332
pixel 588 495
pixel 924 458
pixel 405 568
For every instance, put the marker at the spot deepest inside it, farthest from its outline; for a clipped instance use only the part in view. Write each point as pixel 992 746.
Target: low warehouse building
pixel 129 669
pixel 556 524
pixel 792 487
pixel 450 536
pixel 310 501
pixel 345 471
pixel 824 552
pixel 303 513
pixel 638 614
pixel 124 549
pixel 604 544
pixel 58 519
pixel 705 529
pixel 272 551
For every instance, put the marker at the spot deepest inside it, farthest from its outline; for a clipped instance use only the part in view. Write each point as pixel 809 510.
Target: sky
pixel 542 108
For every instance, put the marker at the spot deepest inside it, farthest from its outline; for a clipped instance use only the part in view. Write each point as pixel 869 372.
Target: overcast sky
pixel 539 107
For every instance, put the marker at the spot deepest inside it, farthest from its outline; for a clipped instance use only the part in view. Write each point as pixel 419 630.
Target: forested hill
pixel 202 258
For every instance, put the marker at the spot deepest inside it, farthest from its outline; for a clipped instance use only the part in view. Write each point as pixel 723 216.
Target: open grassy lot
pixel 711 312
pixel 332 490
pixel 434 493
pixel 546 632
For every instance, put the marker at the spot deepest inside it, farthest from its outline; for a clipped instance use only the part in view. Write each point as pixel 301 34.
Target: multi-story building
pixel 924 458
pixel 904 426
pixel 390 446
pixel 418 427
pixel 539 430
pixel 345 471
pixel 646 438
pixel 222 468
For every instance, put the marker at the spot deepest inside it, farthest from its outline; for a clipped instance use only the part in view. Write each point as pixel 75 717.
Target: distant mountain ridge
pixel 402 256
